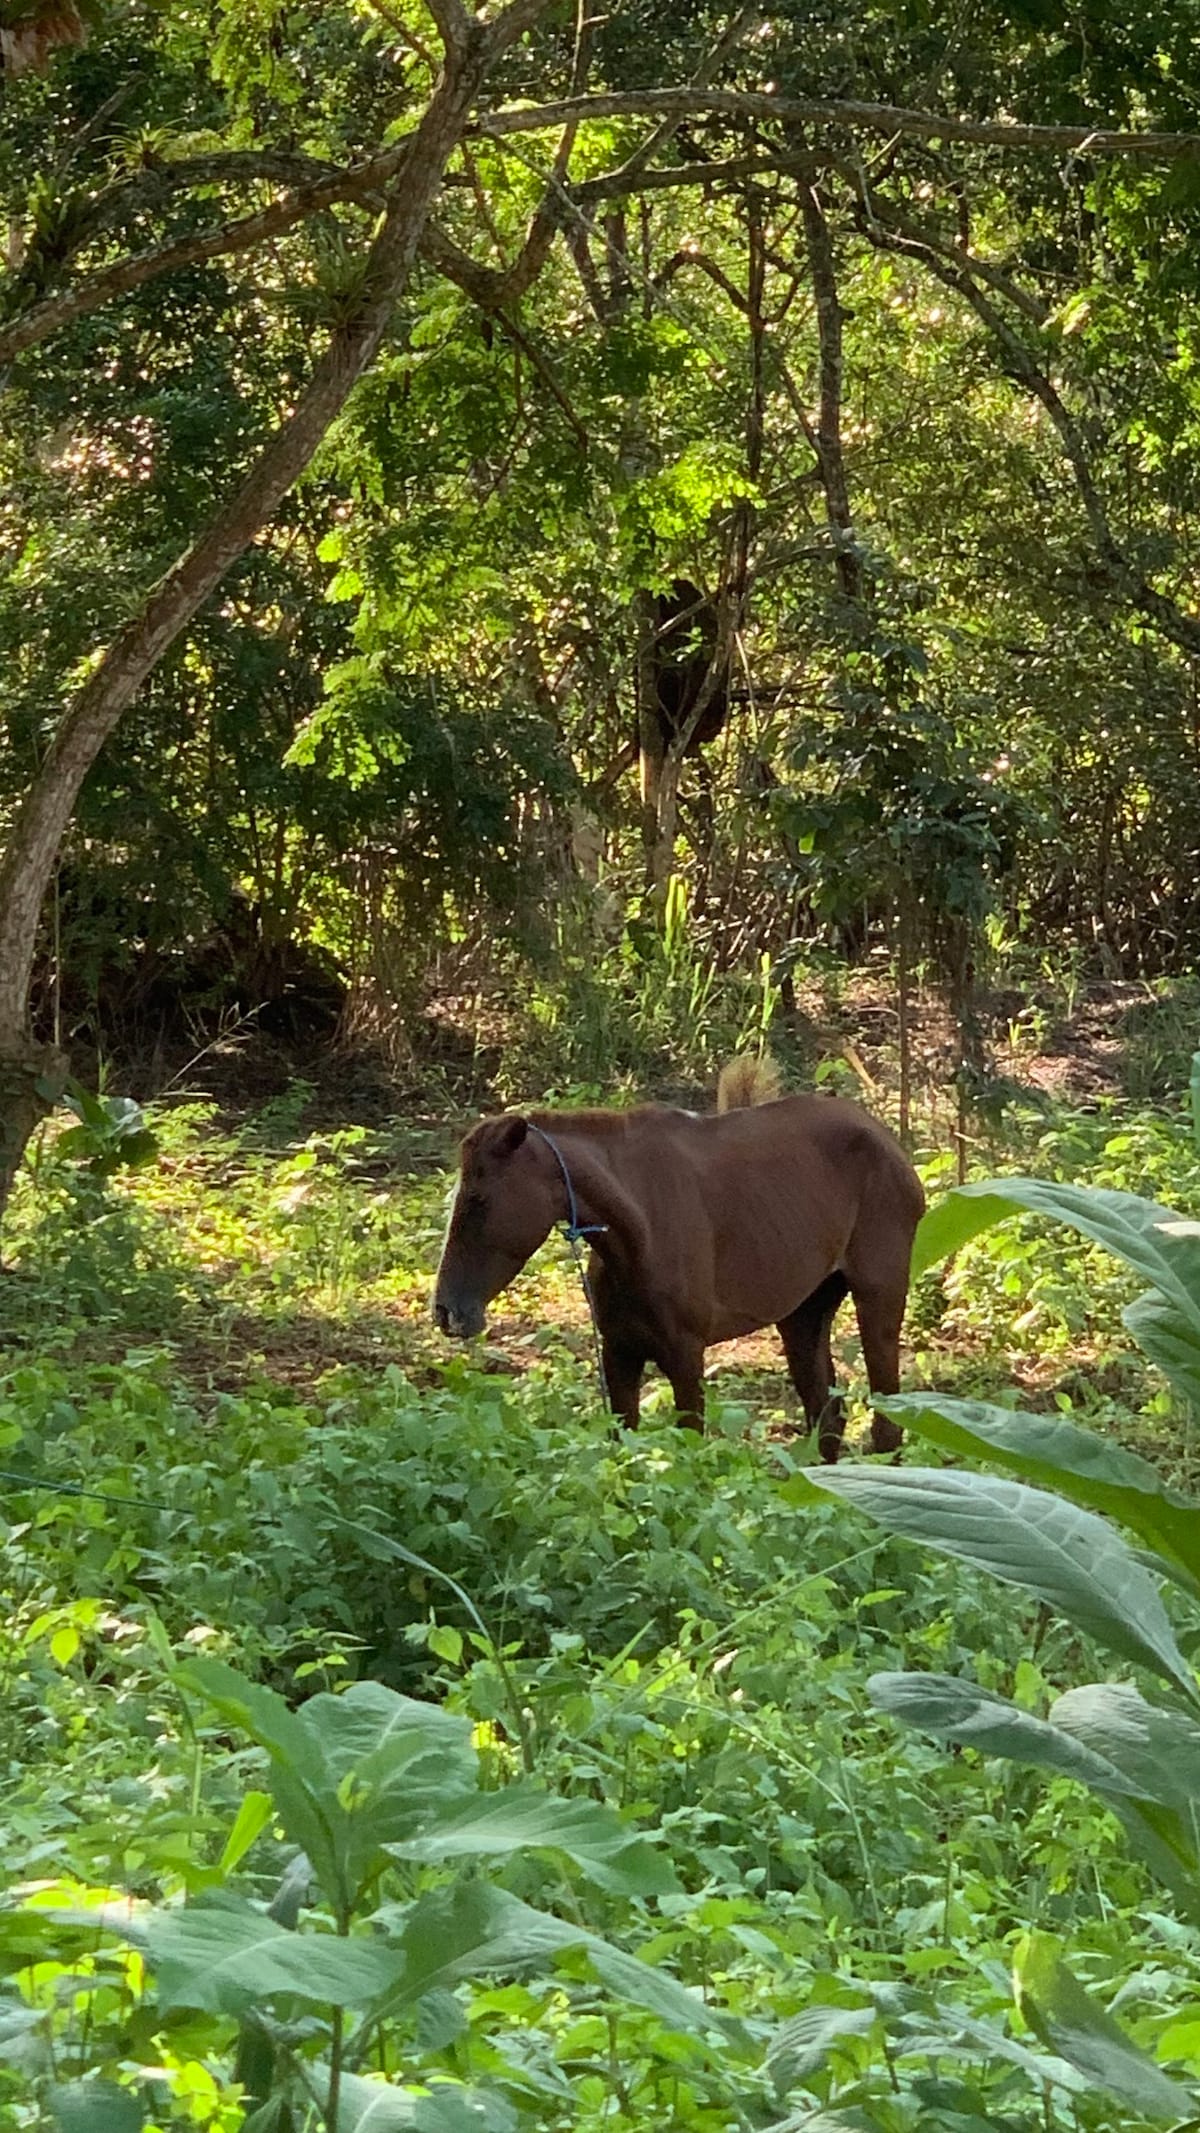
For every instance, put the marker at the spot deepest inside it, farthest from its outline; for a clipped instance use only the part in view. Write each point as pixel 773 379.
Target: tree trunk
pixel 32 1078
pixel 37 832
pixel 828 436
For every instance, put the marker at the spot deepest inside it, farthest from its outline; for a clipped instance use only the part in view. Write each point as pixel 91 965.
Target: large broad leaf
pixel 948 2033
pixel 522 1818
pixel 648 1986
pixel 1066 1556
pixel 1171 1342
pixel 804 2041
pixel 222 1956
pixel 1122 1222
pixel 958 1710
pixel 378 2107
pixel 304 1788
pixel 1157 1751
pixel 23 2036
pixel 1073 2024
pixel 1080 1463
pixel 371 1732
pixel 465 1931
pixel 395 1764
pixel 351 1772
pixel 1106 1737
pixel 95 2107
pixel 1157 1243
pixel 473 1928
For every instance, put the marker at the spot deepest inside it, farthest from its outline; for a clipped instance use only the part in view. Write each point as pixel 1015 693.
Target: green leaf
pixel 23 2035
pixel 254 1710
pixel 1156 1750
pixel 952 1221
pixel 472 1928
pixel 802 2044
pixel 958 1710
pixel 1054 2003
pixel 1156 1243
pixel 350 1773
pixel 946 2031
pixel 1171 1342
pixel 220 1955
pixel 1062 1554
pixel 647 1986
pixel 1080 1463
pixel 252 1818
pixel 305 1789
pixel 450 2110
pixel 451 1934
pixel 1123 1222
pixel 522 1817
pixel 96 2107
pixel 1134 1756
pixel 378 2107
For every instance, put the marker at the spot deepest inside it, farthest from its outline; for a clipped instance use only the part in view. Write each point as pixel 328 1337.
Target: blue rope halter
pixel 575 1231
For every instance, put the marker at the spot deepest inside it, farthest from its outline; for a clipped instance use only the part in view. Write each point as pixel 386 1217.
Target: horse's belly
pixel 742 1309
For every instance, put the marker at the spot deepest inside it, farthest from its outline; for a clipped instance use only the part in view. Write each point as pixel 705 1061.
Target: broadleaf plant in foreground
pixel 1140 1756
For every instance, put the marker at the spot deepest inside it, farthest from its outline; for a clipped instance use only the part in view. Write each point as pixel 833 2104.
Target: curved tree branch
pixel 887 119
pixel 1023 367
pixel 133 655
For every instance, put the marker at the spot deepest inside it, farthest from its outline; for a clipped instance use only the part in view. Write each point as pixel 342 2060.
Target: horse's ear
pixel 509 1135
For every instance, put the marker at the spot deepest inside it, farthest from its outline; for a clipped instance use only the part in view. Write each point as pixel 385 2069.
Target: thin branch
pixel 1018 360
pixel 745 20
pixel 408 36
pixel 156 181
pixel 539 236
pixel 688 257
pixel 611 184
pixel 829 413
pixel 66 305
pixel 957 255
pixel 486 289
pixel 887 119
pixel 508 27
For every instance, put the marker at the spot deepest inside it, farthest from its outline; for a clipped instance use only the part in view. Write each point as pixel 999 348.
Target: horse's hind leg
pixel 880 1312
pixel 805 1336
pixel 684 1366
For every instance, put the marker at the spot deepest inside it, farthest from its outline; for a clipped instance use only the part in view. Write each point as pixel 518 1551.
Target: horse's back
pixel 791 1191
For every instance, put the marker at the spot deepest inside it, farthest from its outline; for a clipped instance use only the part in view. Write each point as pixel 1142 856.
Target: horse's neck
pixel 602 1195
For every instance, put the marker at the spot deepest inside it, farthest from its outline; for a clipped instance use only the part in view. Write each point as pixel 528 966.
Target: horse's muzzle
pixel 460 1322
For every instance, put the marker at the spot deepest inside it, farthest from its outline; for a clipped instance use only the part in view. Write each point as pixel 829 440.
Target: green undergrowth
pixel 284 1472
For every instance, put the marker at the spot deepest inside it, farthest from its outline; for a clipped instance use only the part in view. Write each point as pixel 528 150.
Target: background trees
pixel 769 472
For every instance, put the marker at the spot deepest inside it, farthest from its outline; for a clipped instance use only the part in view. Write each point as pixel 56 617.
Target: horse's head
pixel 508 1200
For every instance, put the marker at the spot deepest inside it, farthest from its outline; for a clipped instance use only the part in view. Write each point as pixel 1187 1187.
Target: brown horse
pixel 702 1230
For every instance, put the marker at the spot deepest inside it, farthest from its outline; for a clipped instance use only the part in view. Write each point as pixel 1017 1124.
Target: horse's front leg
pixel 623 1363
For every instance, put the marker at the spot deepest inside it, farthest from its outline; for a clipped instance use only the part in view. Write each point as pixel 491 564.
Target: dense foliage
pixel 676 1866
pixel 565 546
pixel 909 421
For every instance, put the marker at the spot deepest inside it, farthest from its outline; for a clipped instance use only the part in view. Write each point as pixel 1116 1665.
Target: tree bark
pixel 26 1073
pixel 827 436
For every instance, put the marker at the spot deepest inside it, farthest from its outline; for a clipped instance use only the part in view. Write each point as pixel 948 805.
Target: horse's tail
pixel 748 1081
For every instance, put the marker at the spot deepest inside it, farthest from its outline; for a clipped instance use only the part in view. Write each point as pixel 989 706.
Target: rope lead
pixel 575 1231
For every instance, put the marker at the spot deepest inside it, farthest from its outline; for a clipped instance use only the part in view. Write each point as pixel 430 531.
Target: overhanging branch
pixel 1023 367
pixel 887 119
